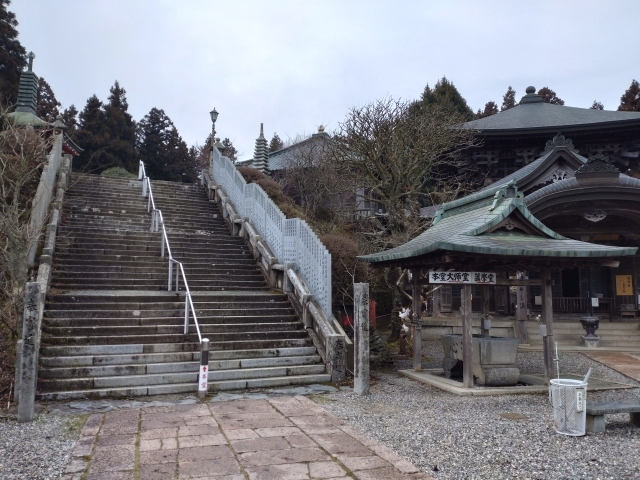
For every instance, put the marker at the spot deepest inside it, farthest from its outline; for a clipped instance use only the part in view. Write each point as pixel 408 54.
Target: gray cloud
pixel 294 65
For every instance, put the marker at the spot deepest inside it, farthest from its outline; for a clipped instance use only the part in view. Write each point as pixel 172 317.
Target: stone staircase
pixel 110 326
pixel 612 334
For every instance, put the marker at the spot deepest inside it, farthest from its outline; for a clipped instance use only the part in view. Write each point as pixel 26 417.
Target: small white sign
pixel 579 400
pixel 595 302
pixel 203 382
pixel 462 278
pixel 538 300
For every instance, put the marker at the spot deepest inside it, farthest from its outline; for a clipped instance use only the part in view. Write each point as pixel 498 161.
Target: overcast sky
pixel 295 65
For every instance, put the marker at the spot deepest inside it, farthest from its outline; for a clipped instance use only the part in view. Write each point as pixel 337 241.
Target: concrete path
pixel 284 438
pixel 627 364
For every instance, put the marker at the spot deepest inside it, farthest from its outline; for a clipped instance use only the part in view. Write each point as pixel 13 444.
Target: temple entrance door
pixel 445 298
pixel 571 282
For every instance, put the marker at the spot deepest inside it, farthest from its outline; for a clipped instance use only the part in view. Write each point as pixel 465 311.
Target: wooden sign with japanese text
pixel 624 285
pixel 461 278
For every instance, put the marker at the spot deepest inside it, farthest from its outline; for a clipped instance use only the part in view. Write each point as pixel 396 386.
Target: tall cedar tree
pixel 164 153
pixel 70 119
pixel 276 143
pixel 93 137
pixel 446 95
pixel 12 55
pixel 121 129
pixel 509 99
pixel 47 102
pixel 228 150
pixel 490 108
pixel 596 106
pixel 549 96
pixel 630 100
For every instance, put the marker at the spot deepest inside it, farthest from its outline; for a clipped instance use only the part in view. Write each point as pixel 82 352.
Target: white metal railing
pixel 157 224
pixel 290 240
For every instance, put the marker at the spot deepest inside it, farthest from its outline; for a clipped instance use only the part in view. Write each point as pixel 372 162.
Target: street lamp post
pixel 214 117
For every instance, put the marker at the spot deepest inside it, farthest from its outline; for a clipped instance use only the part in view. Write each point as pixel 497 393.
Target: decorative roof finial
pixel 531 90
pixel 321 129
pixel 31 56
pixel 262 130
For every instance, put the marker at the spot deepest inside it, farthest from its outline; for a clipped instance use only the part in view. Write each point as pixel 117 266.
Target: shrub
pixel 117 172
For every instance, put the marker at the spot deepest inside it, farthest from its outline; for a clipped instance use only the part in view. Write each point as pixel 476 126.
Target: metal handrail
pixel 157 221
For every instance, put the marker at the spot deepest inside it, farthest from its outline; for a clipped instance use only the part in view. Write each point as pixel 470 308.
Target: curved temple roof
pixel 533 113
pixel 472 225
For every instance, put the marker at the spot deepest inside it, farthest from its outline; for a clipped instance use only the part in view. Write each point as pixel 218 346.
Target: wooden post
pixel 485 311
pixel 467 339
pixel 547 318
pixel 521 314
pixel 417 322
pixel 361 338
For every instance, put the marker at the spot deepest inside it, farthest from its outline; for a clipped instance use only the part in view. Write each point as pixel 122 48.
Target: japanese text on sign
pixel 462 277
pixel 624 285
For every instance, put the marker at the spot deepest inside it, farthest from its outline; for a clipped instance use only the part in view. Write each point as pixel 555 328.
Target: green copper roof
pixel 465 225
pixel 27 118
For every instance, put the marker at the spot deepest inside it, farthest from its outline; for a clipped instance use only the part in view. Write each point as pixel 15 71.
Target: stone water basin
pixel 494 359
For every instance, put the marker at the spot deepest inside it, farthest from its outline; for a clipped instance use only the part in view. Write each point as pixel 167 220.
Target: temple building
pixel 577 171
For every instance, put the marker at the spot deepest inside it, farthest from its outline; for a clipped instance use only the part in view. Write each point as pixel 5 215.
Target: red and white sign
pixel 203 382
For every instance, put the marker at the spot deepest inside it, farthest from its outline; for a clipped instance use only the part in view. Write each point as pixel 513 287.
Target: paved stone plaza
pixel 276 438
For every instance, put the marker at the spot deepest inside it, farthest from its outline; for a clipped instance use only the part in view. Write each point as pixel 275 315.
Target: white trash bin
pixel 569 400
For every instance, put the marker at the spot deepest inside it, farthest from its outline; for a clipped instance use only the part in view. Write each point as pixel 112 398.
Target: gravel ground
pixel 455 437
pixel 39 450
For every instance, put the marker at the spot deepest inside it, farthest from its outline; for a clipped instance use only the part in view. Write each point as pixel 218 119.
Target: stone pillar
pixel 361 338
pixel 336 357
pixel 521 314
pixel 16 381
pixel 547 320
pixel 467 338
pixel 417 322
pixel 436 303
pixel 29 360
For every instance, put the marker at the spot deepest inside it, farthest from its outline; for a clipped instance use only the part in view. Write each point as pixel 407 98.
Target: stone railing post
pixel 361 338
pixel 29 358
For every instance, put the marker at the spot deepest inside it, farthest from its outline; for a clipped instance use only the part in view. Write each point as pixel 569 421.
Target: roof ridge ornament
pixel 559 141
pixel 597 170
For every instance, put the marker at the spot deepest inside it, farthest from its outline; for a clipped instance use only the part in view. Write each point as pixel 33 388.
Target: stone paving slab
pixel 627 364
pixel 279 438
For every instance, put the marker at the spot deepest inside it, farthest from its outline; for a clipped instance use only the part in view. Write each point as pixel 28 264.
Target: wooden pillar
pixel 485 311
pixel 467 339
pixel 547 320
pixel 521 314
pixel 417 322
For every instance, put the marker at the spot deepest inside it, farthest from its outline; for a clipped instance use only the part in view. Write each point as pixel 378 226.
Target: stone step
pixel 175 320
pixel 185 388
pixel 134 376
pixel 210 330
pixel 103 315
pixel 219 369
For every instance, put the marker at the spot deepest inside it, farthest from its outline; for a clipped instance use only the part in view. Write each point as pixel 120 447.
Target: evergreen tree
pixel 228 150
pixel 445 94
pixel 509 99
pixel 164 153
pixel 490 108
pixel 121 130
pixel 549 96
pixel 70 119
pixel 12 55
pixel 630 100
pixel 596 105
pixel 276 143
pixel 47 103
pixel 93 138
